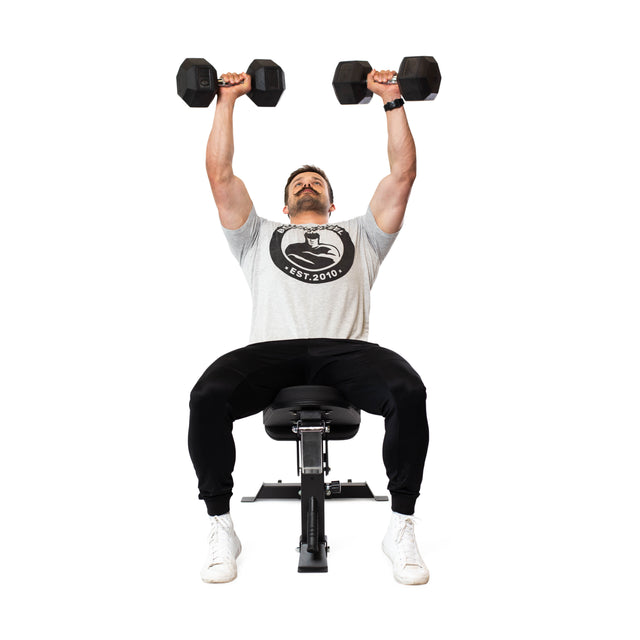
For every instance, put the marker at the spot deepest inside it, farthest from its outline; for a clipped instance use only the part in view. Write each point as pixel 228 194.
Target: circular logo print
pixel 312 254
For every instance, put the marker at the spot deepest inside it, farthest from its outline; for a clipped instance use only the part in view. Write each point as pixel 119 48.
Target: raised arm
pixel 390 199
pixel 231 196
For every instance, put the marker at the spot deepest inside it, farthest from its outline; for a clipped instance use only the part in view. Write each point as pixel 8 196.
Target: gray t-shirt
pixel 310 281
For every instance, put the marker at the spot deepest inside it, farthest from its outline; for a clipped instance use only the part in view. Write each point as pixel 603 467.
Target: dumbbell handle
pixel 394 80
pixel 221 83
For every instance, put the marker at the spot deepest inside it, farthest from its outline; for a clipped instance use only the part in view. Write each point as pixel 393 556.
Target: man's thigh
pixel 370 376
pixel 248 379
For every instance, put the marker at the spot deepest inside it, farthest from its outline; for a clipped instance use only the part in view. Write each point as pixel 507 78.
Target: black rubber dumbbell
pixel 418 78
pixel 198 82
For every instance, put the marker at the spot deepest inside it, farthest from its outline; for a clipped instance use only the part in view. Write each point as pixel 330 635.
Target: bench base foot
pixel 291 490
pixel 313 562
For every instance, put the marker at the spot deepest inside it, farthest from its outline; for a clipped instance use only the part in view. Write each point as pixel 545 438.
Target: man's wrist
pixel 226 104
pixel 393 104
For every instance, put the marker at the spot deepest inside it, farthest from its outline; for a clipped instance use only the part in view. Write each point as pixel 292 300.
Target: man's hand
pixel 377 83
pixel 237 84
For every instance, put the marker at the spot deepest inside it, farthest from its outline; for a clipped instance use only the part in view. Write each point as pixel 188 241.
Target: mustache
pixel 305 188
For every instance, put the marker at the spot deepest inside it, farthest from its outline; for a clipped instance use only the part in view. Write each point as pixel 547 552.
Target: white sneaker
pixel 224 548
pixel 400 546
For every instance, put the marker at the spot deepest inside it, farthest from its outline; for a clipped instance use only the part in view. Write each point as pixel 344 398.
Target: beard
pixel 308 202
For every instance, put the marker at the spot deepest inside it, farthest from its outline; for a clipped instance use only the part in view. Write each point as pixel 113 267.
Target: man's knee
pixel 406 385
pixel 212 391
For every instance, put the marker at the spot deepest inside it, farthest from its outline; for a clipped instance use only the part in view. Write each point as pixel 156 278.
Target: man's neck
pixel 309 217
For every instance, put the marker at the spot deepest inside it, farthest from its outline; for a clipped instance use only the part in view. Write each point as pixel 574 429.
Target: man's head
pixel 308 190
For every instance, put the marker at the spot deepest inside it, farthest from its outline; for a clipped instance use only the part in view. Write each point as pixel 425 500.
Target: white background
pixel 512 289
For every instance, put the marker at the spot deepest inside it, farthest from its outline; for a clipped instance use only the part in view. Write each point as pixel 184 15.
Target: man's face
pixel 308 192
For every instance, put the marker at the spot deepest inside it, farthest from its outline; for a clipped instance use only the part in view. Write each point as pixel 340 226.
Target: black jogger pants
pixel 244 382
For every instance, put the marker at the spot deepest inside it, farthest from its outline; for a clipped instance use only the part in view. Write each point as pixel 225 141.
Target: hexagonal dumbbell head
pixel 197 82
pixel 267 82
pixel 419 78
pixel 350 82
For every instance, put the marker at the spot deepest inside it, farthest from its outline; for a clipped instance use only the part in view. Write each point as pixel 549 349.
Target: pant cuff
pixel 218 506
pixel 403 504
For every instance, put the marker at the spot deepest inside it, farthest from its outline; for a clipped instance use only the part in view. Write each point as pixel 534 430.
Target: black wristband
pixel 393 105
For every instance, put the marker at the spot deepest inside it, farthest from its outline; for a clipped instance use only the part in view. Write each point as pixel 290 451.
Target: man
pixel 310 282
pixel 311 253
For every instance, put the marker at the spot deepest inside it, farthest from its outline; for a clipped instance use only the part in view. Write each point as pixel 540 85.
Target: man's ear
pixel 286 211
pixel 332 208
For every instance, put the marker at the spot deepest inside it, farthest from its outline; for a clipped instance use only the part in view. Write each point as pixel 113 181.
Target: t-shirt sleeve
pixel 241 240
pixel 379 240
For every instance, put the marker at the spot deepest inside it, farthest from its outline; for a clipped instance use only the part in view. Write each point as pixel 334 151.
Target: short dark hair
pixel 308 168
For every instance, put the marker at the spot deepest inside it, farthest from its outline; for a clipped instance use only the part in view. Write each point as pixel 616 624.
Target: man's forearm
pixel 401 147
pixel 220 146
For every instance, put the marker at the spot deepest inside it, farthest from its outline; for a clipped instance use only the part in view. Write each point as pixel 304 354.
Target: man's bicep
pixel 389 203
pixel 233 202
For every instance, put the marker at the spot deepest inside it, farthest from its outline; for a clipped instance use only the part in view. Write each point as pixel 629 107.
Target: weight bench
pixel 312 415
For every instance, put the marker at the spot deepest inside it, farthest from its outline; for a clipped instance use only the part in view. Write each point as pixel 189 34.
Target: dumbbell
pixel 418 78
pixel 198 82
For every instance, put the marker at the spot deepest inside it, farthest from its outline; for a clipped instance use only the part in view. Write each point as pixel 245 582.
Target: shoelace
pixel 406 540
pixel 219 548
